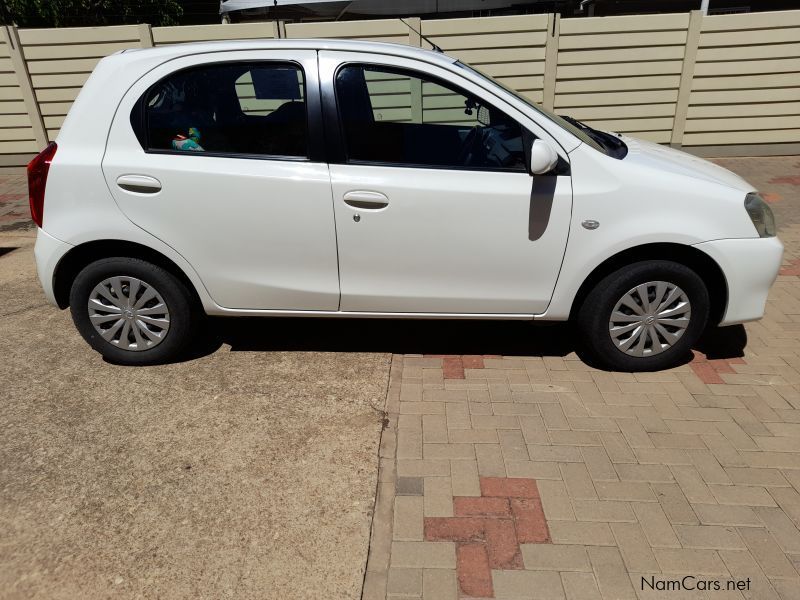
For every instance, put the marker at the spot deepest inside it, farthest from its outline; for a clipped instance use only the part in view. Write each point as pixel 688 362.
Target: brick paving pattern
pixel 14 210
pixel 614 477
pixel 491 530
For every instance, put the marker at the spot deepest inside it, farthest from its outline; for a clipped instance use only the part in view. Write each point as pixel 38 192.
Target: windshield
pixel 578 132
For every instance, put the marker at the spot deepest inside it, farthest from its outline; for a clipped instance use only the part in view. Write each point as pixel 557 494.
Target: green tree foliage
pixel 77 13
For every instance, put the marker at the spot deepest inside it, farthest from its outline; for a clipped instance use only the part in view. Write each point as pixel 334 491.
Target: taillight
pixel 37 180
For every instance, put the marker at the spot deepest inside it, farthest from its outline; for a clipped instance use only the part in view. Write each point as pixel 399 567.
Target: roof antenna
pixel 435 47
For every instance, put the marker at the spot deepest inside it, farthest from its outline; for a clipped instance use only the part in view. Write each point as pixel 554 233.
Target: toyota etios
pixel 338 178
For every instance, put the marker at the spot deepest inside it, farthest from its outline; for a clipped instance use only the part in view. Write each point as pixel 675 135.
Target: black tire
pixel 184 312
pixel 593 316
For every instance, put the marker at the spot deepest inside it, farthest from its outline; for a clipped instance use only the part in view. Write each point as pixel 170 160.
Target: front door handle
pixel 366 200
pixel 139 184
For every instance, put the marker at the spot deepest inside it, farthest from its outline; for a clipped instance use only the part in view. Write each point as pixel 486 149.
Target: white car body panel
pixel 669 160
pixel 81 215
pixel 451 244
pixel 444 244
pixel 271 245
pixel 751 267
pixel 47 252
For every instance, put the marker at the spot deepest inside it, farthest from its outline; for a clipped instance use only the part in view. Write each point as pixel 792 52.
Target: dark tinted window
pixel 251 109
pixel 400 117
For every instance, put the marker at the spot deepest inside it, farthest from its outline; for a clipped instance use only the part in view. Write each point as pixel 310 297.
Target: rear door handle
pixel 366 200
pixel 139 184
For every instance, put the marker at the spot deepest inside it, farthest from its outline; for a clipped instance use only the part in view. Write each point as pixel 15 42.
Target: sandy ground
pixel 248 472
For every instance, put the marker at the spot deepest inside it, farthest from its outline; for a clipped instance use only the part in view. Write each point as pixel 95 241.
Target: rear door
pixel 436 211
pixel 220 156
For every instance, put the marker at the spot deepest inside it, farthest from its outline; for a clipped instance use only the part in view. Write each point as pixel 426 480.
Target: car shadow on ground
pixel 405 336
pixel 723 342
pixel 401 336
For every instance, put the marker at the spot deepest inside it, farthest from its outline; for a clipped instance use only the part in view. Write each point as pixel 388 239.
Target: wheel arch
pixel 80 256
pixel 689 256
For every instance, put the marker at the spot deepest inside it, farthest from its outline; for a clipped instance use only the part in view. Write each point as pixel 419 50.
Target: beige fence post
pixel 278 30
pixel 551 61
pixel 145 35
pixel 687 75
pixel 26 87
pixel 414 25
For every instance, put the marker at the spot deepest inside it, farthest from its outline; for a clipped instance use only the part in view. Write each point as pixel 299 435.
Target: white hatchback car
pixel 339 178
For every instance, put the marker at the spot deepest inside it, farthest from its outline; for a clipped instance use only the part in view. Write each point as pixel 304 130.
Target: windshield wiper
pixel 575 122
pixel 607 140
pixel 596 135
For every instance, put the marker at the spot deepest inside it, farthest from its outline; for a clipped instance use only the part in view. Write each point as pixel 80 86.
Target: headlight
pixel 761 215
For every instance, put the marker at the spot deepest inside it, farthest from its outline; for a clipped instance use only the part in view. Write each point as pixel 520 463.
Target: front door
pixel 435 209
pixel 217 160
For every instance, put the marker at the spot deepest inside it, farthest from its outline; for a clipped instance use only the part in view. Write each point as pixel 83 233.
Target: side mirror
pixel 543 157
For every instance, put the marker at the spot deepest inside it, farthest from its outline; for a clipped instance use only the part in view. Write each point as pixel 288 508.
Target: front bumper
pixel 750 267
pixel 48 252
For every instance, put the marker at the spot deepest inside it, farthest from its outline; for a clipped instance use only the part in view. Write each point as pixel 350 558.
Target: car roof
pixel 386 48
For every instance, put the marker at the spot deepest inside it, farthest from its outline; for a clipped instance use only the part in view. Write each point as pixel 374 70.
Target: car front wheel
pixel 132 312
pixel 643 317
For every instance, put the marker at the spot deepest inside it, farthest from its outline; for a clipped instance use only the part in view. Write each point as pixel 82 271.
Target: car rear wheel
pixel 132 312
pixel 644 317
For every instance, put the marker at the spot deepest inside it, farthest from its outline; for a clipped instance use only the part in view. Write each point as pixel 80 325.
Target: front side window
pixel 229 108
pixel 400 117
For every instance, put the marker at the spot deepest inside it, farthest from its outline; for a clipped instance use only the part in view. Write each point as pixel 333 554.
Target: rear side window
pixel 248 109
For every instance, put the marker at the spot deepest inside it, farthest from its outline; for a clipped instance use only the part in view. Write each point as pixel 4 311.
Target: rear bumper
pixel 750 267
pixel 48 252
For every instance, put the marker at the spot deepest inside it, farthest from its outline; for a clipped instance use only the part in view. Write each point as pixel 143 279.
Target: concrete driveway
pixel 240 474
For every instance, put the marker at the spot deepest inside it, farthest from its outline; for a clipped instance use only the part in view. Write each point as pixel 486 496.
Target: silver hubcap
pixel 650 318
pixel 128 313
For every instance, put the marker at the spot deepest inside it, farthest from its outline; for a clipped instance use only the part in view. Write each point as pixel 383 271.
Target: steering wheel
pixel 471 143
pixel 496 153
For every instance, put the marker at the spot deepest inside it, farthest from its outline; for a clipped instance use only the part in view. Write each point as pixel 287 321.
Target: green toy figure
pixel 189 143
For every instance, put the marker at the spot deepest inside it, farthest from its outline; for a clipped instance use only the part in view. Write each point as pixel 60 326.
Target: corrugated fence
pixel 712 85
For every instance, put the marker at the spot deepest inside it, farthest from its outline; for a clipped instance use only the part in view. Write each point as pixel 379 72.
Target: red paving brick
pixel 454 529
pixel 13 217
pixel 706 373
pixel 509 488
pixel 502 544
pixel 474 573
pixel 472 362
pixel 453 368
pixel 530 522
pixel 709 370
pixel 488 531
pixel 453 365
pixel 472 506
pixel 721 366
pixel 793 268
pixel 791 180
